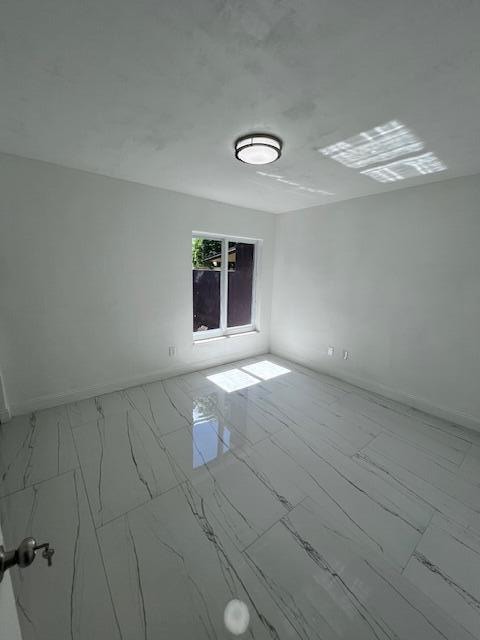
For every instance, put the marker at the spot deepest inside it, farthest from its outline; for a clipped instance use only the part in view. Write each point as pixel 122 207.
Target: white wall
pixel 95 282
pixel 9 626
pixel 395 279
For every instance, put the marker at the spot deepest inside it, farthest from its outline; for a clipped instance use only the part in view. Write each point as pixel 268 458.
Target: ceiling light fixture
pixel 258 148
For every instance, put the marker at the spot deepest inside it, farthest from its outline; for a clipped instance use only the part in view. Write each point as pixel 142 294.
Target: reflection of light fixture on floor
pixel 258 148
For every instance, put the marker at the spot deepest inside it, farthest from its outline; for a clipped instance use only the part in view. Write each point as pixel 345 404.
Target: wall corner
pixel 5 414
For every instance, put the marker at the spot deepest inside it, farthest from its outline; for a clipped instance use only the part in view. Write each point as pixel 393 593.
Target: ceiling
pixel 156 91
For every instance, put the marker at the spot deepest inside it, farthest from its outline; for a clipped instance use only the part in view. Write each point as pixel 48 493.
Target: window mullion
pixel 224 286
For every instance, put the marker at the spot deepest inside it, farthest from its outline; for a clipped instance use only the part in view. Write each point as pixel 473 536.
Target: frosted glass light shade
pixel 258 149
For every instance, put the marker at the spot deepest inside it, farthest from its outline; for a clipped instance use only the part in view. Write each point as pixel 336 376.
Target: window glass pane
pixel 240 282
pixel 206 268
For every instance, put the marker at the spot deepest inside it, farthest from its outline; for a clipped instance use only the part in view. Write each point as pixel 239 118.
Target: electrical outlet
pixel 330 351
pixel 346 355
pixel 172 350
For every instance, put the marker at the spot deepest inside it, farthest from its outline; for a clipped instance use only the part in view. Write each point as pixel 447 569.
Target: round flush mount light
pixel 258 148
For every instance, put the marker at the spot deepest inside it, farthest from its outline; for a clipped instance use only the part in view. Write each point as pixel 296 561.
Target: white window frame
pixel 223 330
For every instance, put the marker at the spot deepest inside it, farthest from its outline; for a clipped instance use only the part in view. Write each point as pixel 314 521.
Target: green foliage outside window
pixel 203 249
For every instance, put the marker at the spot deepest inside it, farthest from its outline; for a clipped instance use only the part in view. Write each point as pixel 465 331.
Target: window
pixel 223 271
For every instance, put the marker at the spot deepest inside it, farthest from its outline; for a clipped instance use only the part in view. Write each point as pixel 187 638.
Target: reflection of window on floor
pixel 223 286
pixel 210 440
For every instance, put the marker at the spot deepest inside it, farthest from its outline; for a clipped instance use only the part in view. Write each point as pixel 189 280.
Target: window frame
pixel 223 330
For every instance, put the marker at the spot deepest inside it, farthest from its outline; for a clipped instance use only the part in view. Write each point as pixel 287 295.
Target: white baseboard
pixel 54 400
pixel 450 415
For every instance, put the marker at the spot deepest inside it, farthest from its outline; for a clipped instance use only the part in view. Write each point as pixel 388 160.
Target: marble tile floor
pixel 329 511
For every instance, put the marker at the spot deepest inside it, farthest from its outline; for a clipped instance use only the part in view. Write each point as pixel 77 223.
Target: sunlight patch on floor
pixel 233 380
pixel 266 369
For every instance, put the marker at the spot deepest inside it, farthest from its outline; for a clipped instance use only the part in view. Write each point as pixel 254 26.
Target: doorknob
pixel 24 555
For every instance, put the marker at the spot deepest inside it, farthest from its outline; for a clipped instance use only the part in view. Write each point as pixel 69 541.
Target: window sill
pixel 227 337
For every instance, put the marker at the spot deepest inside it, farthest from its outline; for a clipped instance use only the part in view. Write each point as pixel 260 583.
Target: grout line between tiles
pixel 435 512
pixel 98 542
pixel 138 506
pixel 272 525
pixel 35 484
pixel 465 456
pixel 268 437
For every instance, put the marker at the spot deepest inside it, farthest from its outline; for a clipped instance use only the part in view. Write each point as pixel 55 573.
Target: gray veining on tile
pixel 330 511
pixel 227 474
pixel 124 464
pixel 425 492
pixel 388 520
pixel 443 425
pixel 316 388
pixel 253 423
pixel 156 407
pixel 294 415
pixel 35 447
pixel 70 599
pixel 308 395
pixel 447 448
pixel 172 571
pixel 85 411
pixel 244 503
pixel 426 467
pixel 446 566
pixel 331 590
pixel 179 398
pixel 276 470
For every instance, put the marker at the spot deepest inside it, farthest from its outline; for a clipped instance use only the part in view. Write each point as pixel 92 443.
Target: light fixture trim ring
pixel 258 140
